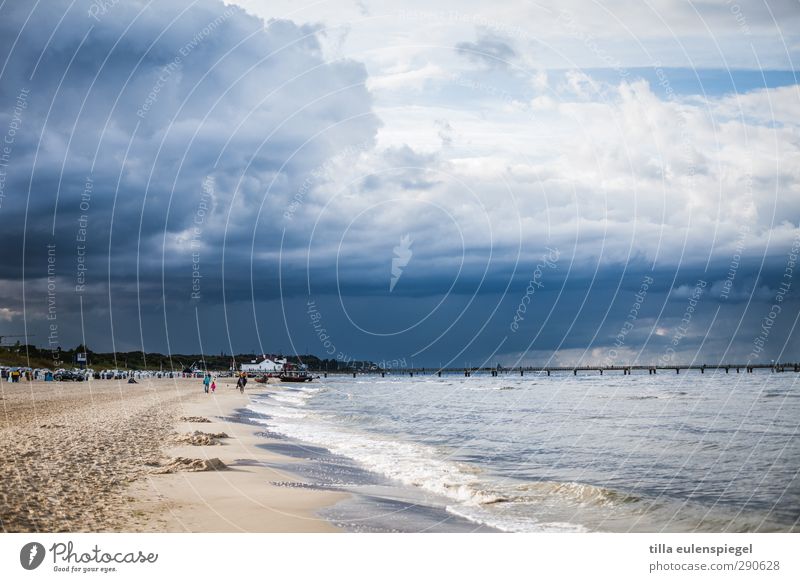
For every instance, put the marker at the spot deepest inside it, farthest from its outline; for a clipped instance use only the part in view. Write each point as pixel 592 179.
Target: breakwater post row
pixel 626 370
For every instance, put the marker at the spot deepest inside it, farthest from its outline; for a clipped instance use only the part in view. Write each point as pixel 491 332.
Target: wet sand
pixel 105 455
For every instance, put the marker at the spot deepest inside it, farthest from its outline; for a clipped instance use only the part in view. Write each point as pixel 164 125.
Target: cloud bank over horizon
pixel 539 184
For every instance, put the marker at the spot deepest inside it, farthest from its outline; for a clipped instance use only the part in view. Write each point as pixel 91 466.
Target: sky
pixel 414 183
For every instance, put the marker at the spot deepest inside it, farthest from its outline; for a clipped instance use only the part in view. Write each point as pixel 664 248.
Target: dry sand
pixel 105 455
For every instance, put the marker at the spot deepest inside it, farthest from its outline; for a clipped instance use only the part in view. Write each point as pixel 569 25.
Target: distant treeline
pixel 35 357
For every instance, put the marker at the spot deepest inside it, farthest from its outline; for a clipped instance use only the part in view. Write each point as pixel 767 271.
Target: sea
pixel 687 452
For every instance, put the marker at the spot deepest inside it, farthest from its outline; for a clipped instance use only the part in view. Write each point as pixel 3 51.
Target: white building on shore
pixel 263 367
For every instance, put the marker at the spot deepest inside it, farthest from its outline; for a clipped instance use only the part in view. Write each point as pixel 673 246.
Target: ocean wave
pixel 500 503
pixel 509 522
pixel 274 412
pixel 661 396
pixel 293 397
pixel 491 388
pixel 580 493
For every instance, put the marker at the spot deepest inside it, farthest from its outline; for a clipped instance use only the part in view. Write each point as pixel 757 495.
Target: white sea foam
pixel 410 463
pixel 509 522
pixel 413 464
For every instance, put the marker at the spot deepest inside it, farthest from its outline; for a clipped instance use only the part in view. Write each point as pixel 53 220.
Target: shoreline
pixel 99 456
pixel 248 496
pixel 373 501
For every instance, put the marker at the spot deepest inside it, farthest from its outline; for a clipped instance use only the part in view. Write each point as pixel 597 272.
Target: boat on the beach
pixel 285 372
pixel 296 376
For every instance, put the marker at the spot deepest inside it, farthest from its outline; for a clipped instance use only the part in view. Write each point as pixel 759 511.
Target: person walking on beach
pixel 213 385
pixel 206 382
pixel 242 382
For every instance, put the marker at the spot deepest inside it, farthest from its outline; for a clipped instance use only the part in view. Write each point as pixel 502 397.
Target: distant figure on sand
pixel 206 382
pixel 242 382
pixel 213 385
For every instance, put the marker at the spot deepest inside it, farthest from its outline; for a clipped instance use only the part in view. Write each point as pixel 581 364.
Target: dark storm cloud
pixel 154 133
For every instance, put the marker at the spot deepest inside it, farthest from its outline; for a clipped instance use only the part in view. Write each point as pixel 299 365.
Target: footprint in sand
pixel 191 465
pixel 198 438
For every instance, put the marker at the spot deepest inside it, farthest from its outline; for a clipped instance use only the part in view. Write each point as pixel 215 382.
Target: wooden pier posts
pixel 626 370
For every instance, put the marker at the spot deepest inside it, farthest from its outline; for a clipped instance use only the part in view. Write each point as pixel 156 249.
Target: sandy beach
pixel 157 456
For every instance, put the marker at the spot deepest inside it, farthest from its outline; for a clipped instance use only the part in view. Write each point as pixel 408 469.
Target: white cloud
pixel 406 80
pixel 625 175
pixel 7 314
